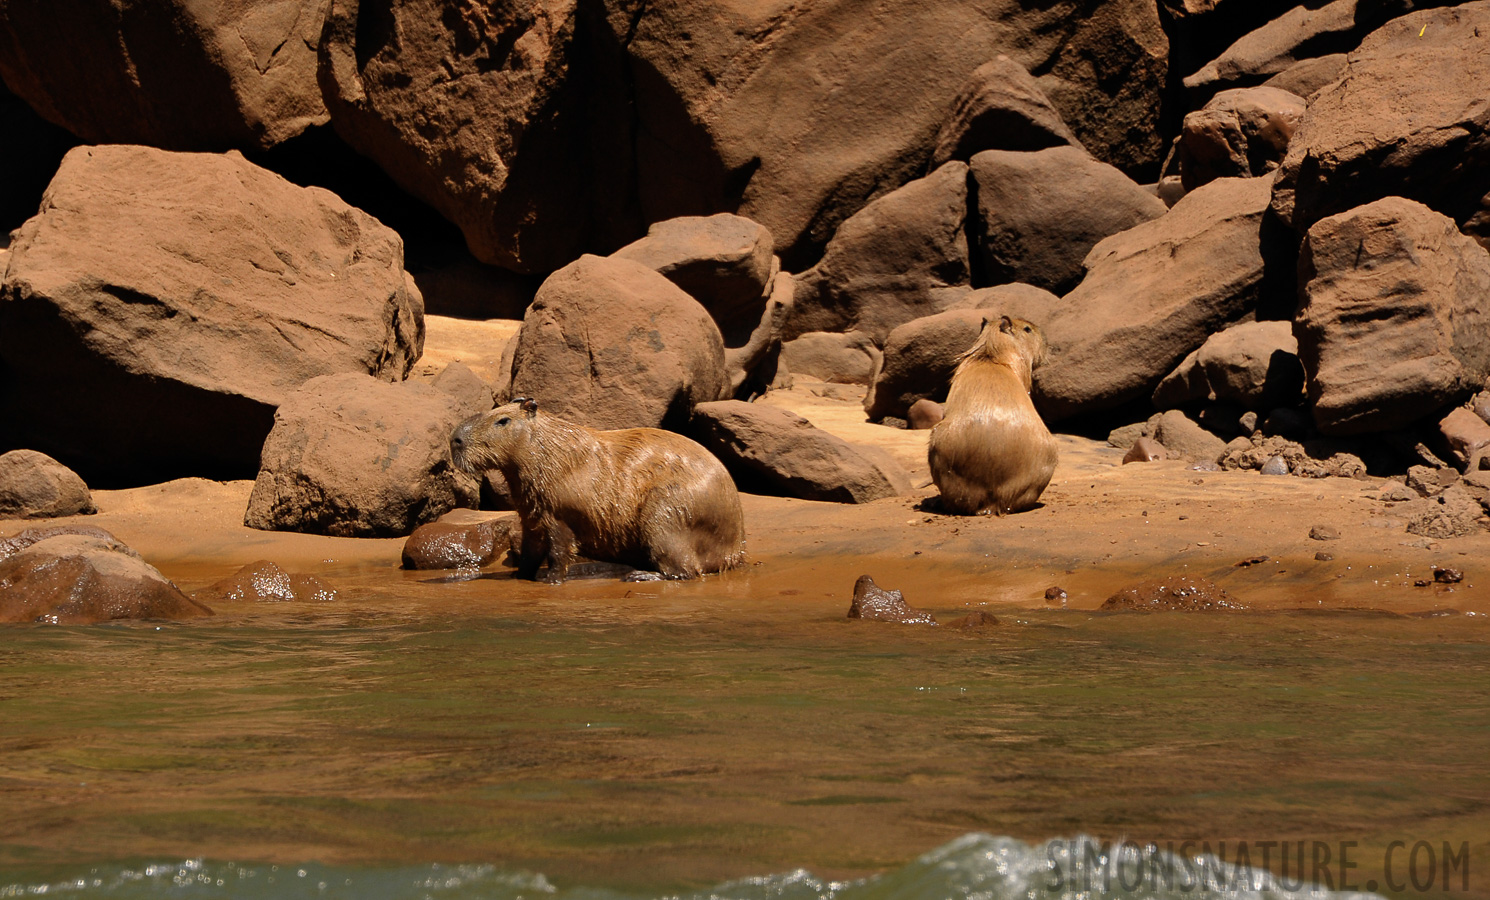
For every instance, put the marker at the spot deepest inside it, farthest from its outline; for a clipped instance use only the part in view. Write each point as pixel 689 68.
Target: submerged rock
pixel 265 582
pixel 452 545
pixel 1175 593
pixel 873 602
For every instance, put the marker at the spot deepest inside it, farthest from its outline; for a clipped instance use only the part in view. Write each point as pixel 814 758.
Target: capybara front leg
pixel 562 550
pixel 534 550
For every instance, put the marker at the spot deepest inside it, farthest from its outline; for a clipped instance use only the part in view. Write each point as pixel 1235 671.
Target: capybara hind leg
pixel 673 555
pixel 533 551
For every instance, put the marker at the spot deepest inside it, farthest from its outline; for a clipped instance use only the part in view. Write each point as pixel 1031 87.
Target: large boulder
pixel 903 256
pixel 850 358
pixel 1040 213
pixel 724 262
pixel 33 485
pixel 920 357
pixel 161 305
pixel 1254 365
pixel 775 451
pixel 78 576
pixel 609 343
pixel 180 74
pixel 1151 295
pixel 1238 133
pixel 353 456
pixel 1300 33
pixel 1393 325
pixel 1407 118
pixel 1000 108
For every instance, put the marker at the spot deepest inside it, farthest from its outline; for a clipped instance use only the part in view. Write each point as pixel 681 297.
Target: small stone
pixel 1447 575
pixel 1324 533
pixel 923 414
pixel 1275 466
pixel 1145 449
pixel 1323 556
pixel 1055 596
pixel 1251 561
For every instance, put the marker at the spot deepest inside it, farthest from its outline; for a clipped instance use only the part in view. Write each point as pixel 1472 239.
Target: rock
pixel 724 262
pixel 1238 133
pixel 447 545
pixel 1324 533
pixel 924 414
pixel 850 358
pixel 265 582
pixel 1145 449
pixel 1392 325
pixel 609 343
pixel 1275 465
pixel 1124 436
pixel 161 305
pixel 775 451
pixel 903 256
pixel 1227 421
pixel 1398 493
pixel 1403 119
pixel 753 367
pixel 873 602
pixel 35 486
pixel 1467 435
pixel 457 380
pixel 25 538
pixel 1252 364
pixel 59 576
pixel 1322 556
pixel 179 74
pixel 734 110
pixel 920 357
pixel 1177 432
pixel 1152 294
pixel 1175 593
pixel 1447 575
pixel 1453 513
pixel 1430 482
pixel 1039 213
pixel 352 456
pixel 1298 34
pixel 977 619
pixel 1055 596
pixel 1000 108
pixel 1307 76
pixel 1273 455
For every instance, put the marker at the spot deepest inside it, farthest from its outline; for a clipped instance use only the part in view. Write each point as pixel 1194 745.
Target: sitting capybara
pixel 639 496
pixel 992 453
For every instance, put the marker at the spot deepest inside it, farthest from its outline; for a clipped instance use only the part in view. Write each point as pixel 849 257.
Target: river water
pixel 428 739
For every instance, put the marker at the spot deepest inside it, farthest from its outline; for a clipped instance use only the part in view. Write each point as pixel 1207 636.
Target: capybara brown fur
pixel 992 453
pixel 640 496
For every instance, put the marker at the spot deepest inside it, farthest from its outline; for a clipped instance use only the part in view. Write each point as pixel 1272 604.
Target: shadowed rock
pixel 1000 108
pixel 1239 133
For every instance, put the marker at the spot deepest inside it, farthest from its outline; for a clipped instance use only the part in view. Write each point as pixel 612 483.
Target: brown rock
pixel 1447 575
pixel 609 343
pixel 1324 533
pixel 1467 435
pixel 1430 482
pixel 1252 364
pixel 69 578
pixel 162 304
pixel 1392 325
pixel 1306 77
pixel 977 619
pixel 775 451
pixel 35 486
pixel 1055 596
pixel 1175 593
pixel 724 262
pixel 180 74
pixel 447 545
pixel 1238 133
pixel 1040 213
pixel 1298 34
pixel 1406 118
pixel 1151 295
pixel 265 582
pixel 924 414
pixel 1145 449
pixel 1000 108
pixel 1179 433
pixel 457 380
pixel 920 357
pixel 850 358
pixel 901 257
pixel 873 602
pixel 1453 513
pixel 352 456
pixel 1274 455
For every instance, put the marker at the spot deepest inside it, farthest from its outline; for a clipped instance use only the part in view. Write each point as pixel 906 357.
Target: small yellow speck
pixel 1420 32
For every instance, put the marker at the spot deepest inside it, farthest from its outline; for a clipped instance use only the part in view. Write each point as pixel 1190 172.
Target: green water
pixel 643 757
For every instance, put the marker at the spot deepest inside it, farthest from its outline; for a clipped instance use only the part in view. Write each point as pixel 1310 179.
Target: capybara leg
pixel 561 552
pixel 674 557
pixel 533 552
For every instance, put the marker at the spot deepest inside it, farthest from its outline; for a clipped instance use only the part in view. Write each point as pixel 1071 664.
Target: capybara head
pixel 1006 332
pixel 493 439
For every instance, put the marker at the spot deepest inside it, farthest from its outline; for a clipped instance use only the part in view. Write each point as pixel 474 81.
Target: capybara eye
pixel 503 421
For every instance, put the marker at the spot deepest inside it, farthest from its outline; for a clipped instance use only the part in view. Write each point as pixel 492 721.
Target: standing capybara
pixel 992 453
pixel 639 496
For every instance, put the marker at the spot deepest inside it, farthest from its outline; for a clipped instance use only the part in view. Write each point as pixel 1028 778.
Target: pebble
pixel 1324 533
pixel 1275 466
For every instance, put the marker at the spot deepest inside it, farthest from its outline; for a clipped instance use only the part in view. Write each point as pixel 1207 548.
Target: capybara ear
pixel 1006 325
pixel 984 325
pixel 530 406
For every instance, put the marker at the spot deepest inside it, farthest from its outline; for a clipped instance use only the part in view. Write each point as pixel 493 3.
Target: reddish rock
pixel 1307 77
pixel 920 357
pixel 724 262
pixel 850 358
pixel 1252 364
pixel 352 456
pixel 265 582
pixel 1406 118
pixel 163 304
pixel 1467 435
pixel 1299 33
pixel 1392 325
pixel 180 74
pixel 903 256
pixel 1179 433
pixel 1145 449
pixel 1238 133
pixel 35 486
pixel 1453 513
pixel 877 604
pixel 1175 593
pixel 753 366
pixel 609 343
pixel 774 451
pixel 1001 107
pixel 65 577
pixel 1040 213
pixel 451 545
pixel 924 414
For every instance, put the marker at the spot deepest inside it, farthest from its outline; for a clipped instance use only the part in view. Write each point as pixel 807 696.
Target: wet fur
pixel 639 496
pixel 992 453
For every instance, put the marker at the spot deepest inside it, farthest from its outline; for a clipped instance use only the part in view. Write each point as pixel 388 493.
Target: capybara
pixel 640 496
pixel 992 453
